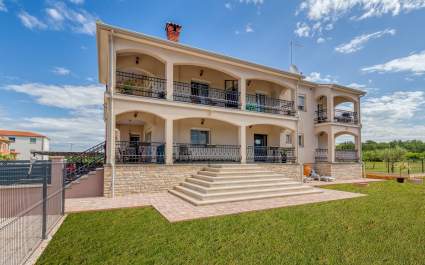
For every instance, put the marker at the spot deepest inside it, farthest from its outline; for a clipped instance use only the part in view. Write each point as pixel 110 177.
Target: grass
pixel 415 167
pixel 386 227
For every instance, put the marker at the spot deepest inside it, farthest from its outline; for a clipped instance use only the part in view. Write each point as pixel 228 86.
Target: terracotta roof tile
pixel 19 133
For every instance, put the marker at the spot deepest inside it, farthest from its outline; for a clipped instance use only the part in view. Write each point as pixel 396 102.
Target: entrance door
pixel 260 147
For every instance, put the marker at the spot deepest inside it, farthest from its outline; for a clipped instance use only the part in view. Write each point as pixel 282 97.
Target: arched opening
pixel 270 144
pixel 139 138
pixel 205 140
pixel 345 110
pixel 206 86
pixel 321 109
pixel 269 97
pixel 140 75
pixel 346 147
pixel 321 153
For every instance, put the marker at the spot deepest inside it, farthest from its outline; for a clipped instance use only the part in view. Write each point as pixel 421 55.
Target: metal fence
pixel 31 203
pixel 406 167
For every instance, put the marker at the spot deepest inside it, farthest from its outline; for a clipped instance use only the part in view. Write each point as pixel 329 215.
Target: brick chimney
pixel 173 31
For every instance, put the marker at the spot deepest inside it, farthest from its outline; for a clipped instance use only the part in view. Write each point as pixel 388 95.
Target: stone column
pixel 242 143
pixel 331 146
pixel 330 107
pixel 169 72
pixel 169 141
pixel 242 91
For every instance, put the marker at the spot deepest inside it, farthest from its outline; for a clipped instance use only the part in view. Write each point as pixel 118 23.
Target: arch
pixel 343 98
pixel 337 134
pixel 204 65
pixel 271 80
pixel 207 117
pixel 140 64
pixel 269 124
pixel 135 110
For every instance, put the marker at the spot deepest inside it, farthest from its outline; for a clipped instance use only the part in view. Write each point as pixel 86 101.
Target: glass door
pixel 260 147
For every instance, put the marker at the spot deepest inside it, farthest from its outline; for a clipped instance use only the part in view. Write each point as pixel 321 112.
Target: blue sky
pixel 48 69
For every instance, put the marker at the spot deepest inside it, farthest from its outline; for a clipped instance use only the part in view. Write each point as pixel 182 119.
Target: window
pixel 33 140
pixel 288 139
pixel 301 140
pixel 301 102
pixel 12 139
pixel 199 137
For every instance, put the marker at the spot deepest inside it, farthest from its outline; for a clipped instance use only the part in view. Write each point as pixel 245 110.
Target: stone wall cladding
pixel 340 170
pixel 146 178
pixel 293 171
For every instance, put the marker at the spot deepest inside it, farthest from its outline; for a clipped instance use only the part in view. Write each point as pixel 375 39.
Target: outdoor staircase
pixel 237 182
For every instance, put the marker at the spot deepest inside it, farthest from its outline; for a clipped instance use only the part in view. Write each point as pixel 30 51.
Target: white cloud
pixel 228 6
pixel 31 22
pixel 78 20
pixel 255 2
pixel 318 78
pixel 61 71
pixel 237 32
pixel 82 126
pixel 395 113
pixel 77 2
pixel 66 97
pixel 3 6
pixel 359 42
pixel 320 40
pixel 248 28
pixel 302 30
pixel 331 10
pixel 414 63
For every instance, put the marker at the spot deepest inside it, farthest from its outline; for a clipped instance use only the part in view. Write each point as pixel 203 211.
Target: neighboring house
pixel 23 143
pixel 5 150
pixel 169 103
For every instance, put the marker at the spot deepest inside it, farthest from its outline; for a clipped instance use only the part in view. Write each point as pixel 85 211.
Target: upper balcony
pixel 145 76
pixel 338 110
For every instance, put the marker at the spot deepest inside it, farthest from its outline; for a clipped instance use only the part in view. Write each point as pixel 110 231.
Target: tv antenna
pixel 292 46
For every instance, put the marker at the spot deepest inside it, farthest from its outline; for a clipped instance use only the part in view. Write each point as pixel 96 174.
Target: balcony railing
pixel 269 105
pixel 139 152
pixel 346 156
pixel 140 85
pixel 192 93
pixel 321 116
pixel 344 116
pixel 321 155
pixel 270 154
pixel 184 153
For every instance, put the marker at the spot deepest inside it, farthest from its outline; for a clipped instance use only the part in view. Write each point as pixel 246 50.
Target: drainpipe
pixel 111 108
pixel 297 149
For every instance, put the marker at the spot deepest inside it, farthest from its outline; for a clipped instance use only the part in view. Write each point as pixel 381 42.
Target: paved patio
pixel 175 209
pixel 342 181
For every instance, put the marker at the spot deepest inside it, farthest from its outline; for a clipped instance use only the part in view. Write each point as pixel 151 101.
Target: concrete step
pixel 233 169
pixel 240 187
pixel 234 173
pixel 204 183
pixel 238 178
pixel 244 193
pixel 197 202
pixel 232 165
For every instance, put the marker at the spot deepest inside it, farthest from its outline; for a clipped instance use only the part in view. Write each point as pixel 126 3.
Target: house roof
pixel 102 40
pixel 20 133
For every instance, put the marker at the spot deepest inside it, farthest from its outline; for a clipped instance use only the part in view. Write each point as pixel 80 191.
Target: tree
pixel 393 155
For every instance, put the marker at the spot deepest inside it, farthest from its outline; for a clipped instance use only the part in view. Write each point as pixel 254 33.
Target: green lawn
pixel 386 227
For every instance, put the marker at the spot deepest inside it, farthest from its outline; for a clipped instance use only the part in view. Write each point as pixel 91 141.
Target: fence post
pixel 63 186
pixel 423 165
pixel 44 217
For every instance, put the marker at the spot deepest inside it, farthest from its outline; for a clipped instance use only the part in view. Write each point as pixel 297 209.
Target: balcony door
pixel 199 92
pixel 260 100
pixel 232 95
pixel 260 147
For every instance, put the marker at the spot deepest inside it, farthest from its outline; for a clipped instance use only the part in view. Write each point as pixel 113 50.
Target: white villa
pixel 22 143
pixel 171 109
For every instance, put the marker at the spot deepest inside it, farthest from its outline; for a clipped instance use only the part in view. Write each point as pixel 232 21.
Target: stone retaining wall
pixel 156 178
pixel 340 170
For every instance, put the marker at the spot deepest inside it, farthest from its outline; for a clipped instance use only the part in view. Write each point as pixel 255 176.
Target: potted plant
pixel 251 106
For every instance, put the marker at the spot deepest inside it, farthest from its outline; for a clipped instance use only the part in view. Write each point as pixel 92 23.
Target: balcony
pixel 321 116
pixel 346 117
pixel 270 154
pixel 127 152
pixel 205 95
pixel 188 153
pixel 321 155
pixel 346 156
pixel 140 85
pixel 262 103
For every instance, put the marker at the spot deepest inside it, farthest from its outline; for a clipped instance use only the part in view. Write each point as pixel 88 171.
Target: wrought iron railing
pixel 271 154
pixel 183 153
pixel 345 116
pixel 321 155
pixel 346 156
pixel 269 105
pixel 191 93
pixel 82 163
pixel 321 116
pixel 127 152
pixel 140 85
